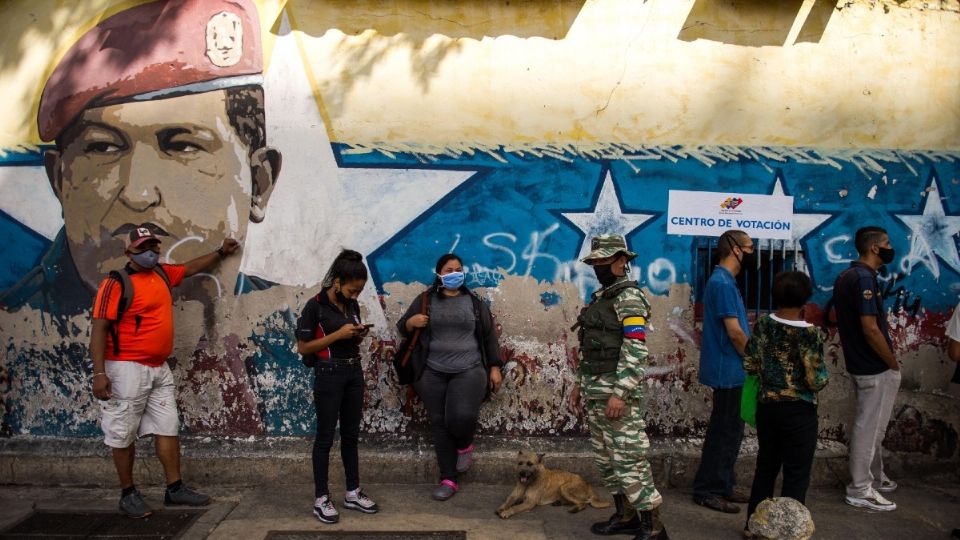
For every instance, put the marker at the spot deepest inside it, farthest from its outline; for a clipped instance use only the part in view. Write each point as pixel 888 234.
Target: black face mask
pixel 886 255
pixel 747 260
pixel 605 274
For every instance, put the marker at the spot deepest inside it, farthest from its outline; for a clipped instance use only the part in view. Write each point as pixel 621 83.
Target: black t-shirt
pixel 321 318
pixel 857 292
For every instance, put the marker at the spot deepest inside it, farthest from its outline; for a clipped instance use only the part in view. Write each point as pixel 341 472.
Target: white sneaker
pixel 873 501
pixel 325 511
pixel 360 501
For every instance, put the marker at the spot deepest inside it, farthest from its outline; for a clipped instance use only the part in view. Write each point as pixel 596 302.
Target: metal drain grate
pixel 366 535
pixel 166 525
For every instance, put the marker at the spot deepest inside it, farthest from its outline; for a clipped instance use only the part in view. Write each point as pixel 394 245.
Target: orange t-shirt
pixel 146 330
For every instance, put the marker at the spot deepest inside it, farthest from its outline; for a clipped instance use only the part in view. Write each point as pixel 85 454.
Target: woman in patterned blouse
pixel 786 353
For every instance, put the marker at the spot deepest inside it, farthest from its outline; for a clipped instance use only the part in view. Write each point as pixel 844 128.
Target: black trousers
pixel 337 397
pixel 720 446
pixel 452 401
pixel 787 435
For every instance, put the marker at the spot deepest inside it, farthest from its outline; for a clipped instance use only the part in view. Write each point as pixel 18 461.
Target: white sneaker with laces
pixel 325 511
pixel 358 500
pixel 873 501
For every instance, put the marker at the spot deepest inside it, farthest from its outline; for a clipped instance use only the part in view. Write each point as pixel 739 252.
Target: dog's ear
pixel 519 452
pixel 540 457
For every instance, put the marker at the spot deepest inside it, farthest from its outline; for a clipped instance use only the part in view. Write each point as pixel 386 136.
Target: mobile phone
pixel 368 325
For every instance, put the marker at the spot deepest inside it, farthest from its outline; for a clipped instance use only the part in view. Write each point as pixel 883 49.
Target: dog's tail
pixel 595 500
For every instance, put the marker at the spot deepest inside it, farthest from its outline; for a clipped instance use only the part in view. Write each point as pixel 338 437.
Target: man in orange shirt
pixel 129 347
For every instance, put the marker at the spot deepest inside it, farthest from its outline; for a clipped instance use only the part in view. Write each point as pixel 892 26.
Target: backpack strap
pixel 163 275
pixel 122 277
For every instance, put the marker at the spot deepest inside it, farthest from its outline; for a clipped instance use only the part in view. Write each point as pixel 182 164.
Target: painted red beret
pixel 155 50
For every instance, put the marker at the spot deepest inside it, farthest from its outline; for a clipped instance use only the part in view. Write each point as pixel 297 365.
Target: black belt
pixel 340 361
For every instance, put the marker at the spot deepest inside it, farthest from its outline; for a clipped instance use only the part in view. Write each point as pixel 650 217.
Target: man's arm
pixel 874 337
pixel 633 310
pixel 98 346
pixel 208 261
pixel 737 336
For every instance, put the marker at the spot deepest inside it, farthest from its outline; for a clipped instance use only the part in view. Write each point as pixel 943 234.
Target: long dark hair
pixel 348 266
pixel 444 259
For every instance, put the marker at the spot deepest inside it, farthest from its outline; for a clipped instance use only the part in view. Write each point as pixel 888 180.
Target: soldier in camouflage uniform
pixel 613 357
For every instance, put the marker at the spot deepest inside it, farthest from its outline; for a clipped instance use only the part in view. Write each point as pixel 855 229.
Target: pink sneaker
pixel 464 459
pixel 445 490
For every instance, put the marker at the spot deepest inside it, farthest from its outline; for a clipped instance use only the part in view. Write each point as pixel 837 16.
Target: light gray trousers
pixel 875 397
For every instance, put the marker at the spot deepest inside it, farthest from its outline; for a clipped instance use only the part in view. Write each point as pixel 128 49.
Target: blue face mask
pixel 452 281
pixel 147 259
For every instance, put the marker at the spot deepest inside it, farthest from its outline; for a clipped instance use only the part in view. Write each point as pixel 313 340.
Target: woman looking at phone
pixel 329 333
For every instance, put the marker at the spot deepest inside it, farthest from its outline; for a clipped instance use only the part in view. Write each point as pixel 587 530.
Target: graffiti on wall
pixel 198 156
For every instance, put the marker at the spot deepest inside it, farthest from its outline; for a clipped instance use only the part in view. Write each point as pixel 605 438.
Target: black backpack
pixel 126 298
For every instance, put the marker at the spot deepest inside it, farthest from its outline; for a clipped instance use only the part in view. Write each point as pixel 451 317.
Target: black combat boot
pixel 616 524
pixel 651 528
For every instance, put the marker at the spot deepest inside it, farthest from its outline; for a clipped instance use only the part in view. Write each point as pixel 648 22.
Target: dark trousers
pixel 720 446
pixel 337 396
pixel 452 401
pixel 787 435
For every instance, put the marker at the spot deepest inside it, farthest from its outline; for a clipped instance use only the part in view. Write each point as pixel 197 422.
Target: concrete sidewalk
pixel 927 510
pixel 263 485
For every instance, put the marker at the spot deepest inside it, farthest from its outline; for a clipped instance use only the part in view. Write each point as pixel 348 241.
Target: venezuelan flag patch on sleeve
pixel 635 328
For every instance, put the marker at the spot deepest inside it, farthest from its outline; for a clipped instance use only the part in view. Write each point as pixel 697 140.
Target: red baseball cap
pixel 139 236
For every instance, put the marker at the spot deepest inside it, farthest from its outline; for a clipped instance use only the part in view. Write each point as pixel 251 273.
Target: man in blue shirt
pixel 725 333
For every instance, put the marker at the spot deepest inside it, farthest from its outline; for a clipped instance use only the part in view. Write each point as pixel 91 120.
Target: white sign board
pixel 709 213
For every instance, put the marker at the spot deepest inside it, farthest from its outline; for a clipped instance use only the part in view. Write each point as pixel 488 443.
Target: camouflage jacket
pixel 626 382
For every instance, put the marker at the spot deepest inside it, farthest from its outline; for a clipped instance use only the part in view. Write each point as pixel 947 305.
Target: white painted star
pixel 607 217
pixel 802 223
pixel 28 198
pixel 317 207
pixel 933 233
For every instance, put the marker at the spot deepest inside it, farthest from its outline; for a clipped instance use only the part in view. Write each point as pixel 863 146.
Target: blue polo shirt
pixel 720 365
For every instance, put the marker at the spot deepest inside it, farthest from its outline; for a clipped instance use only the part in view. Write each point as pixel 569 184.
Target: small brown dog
pixel 538 485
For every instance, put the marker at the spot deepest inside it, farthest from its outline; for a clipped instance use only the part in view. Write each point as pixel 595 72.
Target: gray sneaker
pixel 134 506
pixel 445 490
pixel 185 496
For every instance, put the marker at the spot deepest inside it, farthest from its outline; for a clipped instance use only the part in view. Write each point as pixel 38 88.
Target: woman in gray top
pixel 456 360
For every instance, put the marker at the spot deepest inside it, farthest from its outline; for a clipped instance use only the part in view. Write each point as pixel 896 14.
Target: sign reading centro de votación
pixel 709 213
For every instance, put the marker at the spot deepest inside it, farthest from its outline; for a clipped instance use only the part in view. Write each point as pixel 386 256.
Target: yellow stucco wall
pixel 864 74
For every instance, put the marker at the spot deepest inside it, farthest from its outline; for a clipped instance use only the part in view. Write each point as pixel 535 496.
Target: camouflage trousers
pixel 620 450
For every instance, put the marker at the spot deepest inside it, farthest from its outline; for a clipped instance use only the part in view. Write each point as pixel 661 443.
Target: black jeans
pixel 720 446
pixel 787 435
pixel 452 401
pixel 337 396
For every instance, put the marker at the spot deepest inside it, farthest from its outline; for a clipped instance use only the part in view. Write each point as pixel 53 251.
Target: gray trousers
pixel 875 397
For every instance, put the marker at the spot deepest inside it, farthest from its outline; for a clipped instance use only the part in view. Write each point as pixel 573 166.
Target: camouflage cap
pixel 608 245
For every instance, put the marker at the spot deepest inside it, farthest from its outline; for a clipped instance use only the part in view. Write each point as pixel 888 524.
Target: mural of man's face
pixel 175 163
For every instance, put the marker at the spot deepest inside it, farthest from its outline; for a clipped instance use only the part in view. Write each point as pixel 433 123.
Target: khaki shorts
pixel 143 403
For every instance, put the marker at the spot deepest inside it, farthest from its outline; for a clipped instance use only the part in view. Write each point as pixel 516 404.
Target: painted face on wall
pixel 224 39
pixel 176 164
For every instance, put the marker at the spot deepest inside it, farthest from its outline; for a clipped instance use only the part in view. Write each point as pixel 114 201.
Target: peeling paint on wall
pixel 520 209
